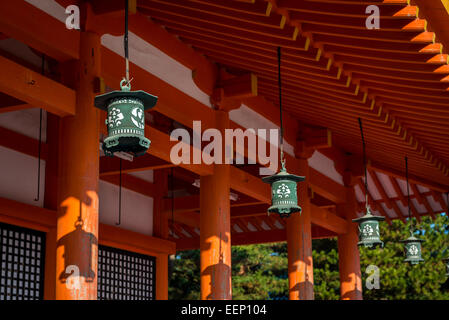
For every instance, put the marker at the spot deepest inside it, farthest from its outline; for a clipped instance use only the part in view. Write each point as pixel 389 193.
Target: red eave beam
pixel 36 89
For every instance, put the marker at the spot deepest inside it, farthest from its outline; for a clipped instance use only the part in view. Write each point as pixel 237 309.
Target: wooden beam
pixel 111 166
pixel 250 185
pixel 190 218
pixel 161 147
pixel 391 204
pixel 403 199
pixel 422 200
pixel 25 215
pixel 26 23
pixel 15 108
pixel 21 143
pixel 374 205
pixel 326 187
pixel 240 87
pixel 36 89
pixel 264 236
pixel 41 219
pixel 108 7
pixel 438 197
pixel 412 179
pixel 316 137
pixel 133 241
pixel 327 220
pixel 132 183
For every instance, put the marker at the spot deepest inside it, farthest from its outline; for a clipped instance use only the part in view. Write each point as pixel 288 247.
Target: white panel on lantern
pixel 323 164
pixel 157 63
pixel 386 184
pixel 137 209
pixel 25 122
pixel 197 231
pixel 18 177
pixel 147 175
pixel 435 205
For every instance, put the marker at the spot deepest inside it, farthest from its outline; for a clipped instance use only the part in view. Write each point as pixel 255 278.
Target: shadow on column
pixel 219 269
pixel 74 255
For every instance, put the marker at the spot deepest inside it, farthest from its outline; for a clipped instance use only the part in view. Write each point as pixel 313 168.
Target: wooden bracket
pixel 229 93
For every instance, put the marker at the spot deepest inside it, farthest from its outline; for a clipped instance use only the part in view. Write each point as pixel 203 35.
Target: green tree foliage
pixel 260 271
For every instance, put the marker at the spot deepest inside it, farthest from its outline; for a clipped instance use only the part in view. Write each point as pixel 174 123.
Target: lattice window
pixel 124 275
pixel 22 255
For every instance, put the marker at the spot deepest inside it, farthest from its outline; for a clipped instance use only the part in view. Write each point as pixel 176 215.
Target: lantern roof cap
pixel 412 238
pixel 368 216
pixel 148 100
pixel 283 175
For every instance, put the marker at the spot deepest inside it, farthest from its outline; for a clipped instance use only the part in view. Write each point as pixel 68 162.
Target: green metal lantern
pixel 369 234
pixel 413 250
pixel 284 199
pixel 126 119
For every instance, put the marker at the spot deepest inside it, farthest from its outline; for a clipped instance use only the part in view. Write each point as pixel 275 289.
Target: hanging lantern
pixel 413 250
pixel 125 119
pixel 284 199
pixel 369 234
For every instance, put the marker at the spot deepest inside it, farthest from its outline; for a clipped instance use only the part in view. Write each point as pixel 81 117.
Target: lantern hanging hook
pixel 364 164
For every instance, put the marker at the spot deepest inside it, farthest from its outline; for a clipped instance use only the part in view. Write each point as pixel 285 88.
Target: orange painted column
pixel 160 230
pixel 348 251
pixel 77 225
pixel 51 202
pixel 299 241
pixel 215 228
pixel 162 277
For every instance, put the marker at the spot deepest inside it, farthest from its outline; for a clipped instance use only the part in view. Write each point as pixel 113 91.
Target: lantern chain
pixel 364 164
pixel 40 141
pixel 125 39
pixel 280 109
pixel 408 195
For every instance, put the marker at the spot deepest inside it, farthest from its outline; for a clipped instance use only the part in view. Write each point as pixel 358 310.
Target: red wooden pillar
pixel 51 202
pixel 348 251
pixel 77 225
pixel 160 230
pixel 299 241
pixel 215 228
